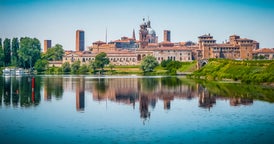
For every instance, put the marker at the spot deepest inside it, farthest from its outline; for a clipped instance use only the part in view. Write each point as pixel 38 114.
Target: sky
pixel 58 20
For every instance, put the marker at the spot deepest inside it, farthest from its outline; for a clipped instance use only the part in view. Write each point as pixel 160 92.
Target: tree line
pixel 26 53
pixel 23 53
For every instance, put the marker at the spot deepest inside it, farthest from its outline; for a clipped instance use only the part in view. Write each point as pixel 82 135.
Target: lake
pixel 133 109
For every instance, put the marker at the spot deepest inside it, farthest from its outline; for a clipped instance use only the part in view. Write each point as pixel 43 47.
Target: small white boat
pixel 19 72
pixel 6 72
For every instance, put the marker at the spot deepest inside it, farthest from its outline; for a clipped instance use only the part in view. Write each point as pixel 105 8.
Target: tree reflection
pixel 171 81
pixel 149 84
pixel 27 97
pixel 7 91
pixel 1 89
pixel 53 86
pixel 101 85
pixel 17 91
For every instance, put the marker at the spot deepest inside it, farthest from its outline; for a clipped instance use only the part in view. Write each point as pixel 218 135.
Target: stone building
pixel 47 45
pixel 80 40
pixel 264 53
pixel 236 48
pixel 129 51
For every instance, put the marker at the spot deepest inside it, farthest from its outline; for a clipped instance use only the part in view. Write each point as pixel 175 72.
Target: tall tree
pixel 101 60
pixel 14 56
pixel 149 63
pixel 55 53
pixel 2 56
pixel 29 52
pixel 7 52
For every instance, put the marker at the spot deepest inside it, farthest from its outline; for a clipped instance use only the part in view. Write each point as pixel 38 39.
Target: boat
pixel 19 72
pixel 6 72
pixel 14 72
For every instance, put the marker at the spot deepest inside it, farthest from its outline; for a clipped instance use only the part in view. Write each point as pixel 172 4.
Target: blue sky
pixel 58 20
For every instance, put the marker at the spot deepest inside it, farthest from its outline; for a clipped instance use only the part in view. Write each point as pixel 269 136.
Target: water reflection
pixel 80 94
pixel 19 91
pixel 146 92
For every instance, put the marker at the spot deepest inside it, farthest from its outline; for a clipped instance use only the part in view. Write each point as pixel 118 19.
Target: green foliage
pixel 240 90
pixel 92 66
pixel 15 48
pixel 101 60
pixel 246 71
pixel 66 67
pixel 41 65
pixel 173 66
pixel 7 52
pixel 54 70
pixel 148 64
pixel 165 62
pixel 75 67
pixel 55 53
pixel 29 52
pixel 83 69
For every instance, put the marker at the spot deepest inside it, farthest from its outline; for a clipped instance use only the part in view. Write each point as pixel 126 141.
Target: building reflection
pixel 206 99
pixel 80 94
pixel 143 93
pixel 143 107
pixel 240 101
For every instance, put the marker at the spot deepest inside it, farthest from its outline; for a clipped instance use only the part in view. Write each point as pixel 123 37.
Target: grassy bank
pixel 245 71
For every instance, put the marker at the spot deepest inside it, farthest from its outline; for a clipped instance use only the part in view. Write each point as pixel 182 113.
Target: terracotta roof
pixel 264 50
pixel 164 48
pixel 234 35
pixel 224 45
pixel 99 42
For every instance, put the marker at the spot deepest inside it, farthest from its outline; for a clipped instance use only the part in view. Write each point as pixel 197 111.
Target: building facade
pixel 236 48
pixel 167 35
pixel 47 45
pixel 129 51
pixel 264 53
pixel 80 40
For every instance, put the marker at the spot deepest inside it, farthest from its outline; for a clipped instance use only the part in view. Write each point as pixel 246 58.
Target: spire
pixel 133 35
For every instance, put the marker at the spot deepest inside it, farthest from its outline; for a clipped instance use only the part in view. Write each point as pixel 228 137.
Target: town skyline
pixel 58 20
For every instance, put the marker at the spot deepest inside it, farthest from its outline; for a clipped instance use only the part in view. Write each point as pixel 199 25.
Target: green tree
pixel 41 65
pixel 2 56
pixel 55 53
pixel 75 66
pixel 149 63
pixel 111 66
pixel 29 52
pixel 92 66
pixel 66 67
pixel 14 48
pixel 165 62
pixel 101 60
pixel 7 52
pixel 83 69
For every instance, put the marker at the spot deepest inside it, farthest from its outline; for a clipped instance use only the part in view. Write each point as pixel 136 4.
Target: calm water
pixel 133 109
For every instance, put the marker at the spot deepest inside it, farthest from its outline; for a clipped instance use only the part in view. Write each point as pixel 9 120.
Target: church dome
pixel 151 31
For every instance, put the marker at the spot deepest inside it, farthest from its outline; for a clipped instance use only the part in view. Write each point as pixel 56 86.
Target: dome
pixel 151 31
